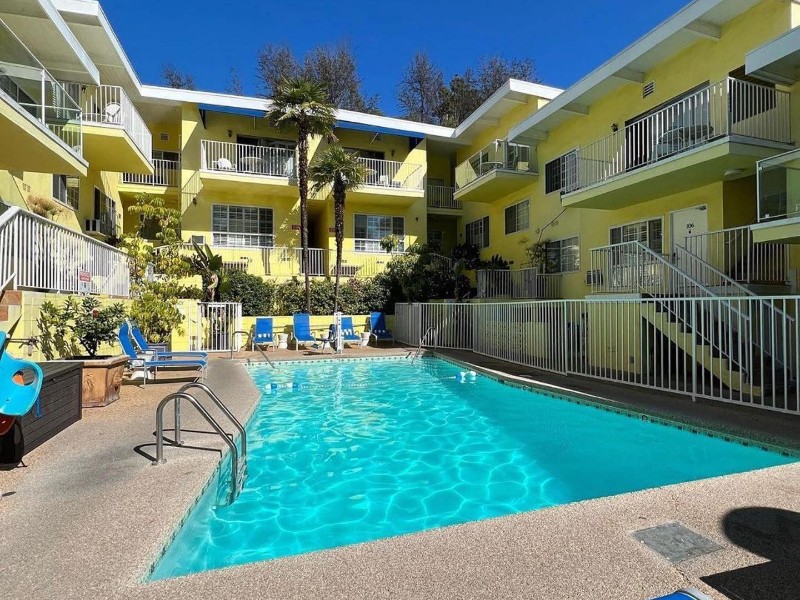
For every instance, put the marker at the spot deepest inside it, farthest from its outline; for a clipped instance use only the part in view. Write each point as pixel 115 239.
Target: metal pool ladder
pixel 422 341
pixel 238 474
pixel 252 345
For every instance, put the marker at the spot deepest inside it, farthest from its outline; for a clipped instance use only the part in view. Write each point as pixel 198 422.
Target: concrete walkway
pixel 88 514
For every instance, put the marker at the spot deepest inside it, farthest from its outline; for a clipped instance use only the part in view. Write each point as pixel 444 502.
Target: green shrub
pixel 256 295
pixel 289 298
pixel 83 322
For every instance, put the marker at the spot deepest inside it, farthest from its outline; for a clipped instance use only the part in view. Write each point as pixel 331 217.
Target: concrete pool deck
pixel 87 515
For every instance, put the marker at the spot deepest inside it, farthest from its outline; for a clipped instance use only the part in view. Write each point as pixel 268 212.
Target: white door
pixel 686 222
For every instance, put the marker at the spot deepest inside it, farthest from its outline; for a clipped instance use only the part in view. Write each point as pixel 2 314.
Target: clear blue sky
pixel 208 37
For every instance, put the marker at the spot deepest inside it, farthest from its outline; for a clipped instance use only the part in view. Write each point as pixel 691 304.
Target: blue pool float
pixel 17 398
pixel 685 594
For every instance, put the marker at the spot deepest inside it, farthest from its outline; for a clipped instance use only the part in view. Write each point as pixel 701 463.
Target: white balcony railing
pixel 25 82
pixel 165 173
pixel 37 254
pixel 109 105
pixel 734 253
pixel 522 283
pixel 499 155
pixel 393 174
pixel 441 196
pixel 729 107
pixel 242 240
pixel 228 157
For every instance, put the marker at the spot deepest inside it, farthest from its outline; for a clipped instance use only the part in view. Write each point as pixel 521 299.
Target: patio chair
pixel 149 362
pixel 349 333
pixel 16 397
pixel 223 164
pixel 378 329
pixel 157 350
pixel 685 594
pixel 112 113
pixel 301 331
pixel 263 333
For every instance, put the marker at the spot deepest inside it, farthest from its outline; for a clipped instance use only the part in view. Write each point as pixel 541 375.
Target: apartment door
pixel 690 222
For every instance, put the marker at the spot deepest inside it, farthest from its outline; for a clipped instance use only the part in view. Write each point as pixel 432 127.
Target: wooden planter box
pixel 102 379
pixel 61 407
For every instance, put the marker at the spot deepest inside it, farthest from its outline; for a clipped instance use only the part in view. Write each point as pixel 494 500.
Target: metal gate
pixel 216 323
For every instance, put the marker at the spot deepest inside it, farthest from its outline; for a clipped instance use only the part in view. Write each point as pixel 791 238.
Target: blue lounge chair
pixel 17 399
pixel 156 349
pixel 378 329
pixel 349 333
pixel 150 362
pixel 301 331
pixel 263 335
pixel 685 594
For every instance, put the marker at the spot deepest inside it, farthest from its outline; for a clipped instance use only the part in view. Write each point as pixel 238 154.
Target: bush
pixel 256 295
pixel 81 322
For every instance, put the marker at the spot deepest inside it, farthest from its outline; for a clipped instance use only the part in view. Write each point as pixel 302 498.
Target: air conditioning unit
pixel 94 225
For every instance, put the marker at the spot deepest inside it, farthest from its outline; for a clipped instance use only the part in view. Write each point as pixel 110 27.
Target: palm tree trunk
pixel 339 195
pixel 302 185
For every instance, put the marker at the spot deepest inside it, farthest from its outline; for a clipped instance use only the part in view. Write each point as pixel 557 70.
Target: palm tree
pixel 342 172
pixel 300 105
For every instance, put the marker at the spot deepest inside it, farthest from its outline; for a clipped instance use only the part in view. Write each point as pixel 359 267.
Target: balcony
pixel 40 124
pixel 527 284
pixel 402 183
pixel 719 130
pixel 778 184
pixel 441 200
pixel 226 166
pixel 496 170
pixel 166 174
pixel 116 137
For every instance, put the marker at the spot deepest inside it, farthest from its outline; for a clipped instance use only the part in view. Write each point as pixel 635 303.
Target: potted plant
pixel 77 331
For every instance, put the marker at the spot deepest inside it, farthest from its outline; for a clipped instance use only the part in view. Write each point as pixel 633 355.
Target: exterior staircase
pixel 728 335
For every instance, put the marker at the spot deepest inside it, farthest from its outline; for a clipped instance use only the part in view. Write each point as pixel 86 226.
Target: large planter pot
pixel 101 380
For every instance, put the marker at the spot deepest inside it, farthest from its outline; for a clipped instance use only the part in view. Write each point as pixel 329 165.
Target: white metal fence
pixel 110 105
pixel 216 324
pixel 393 174
pixel 247 159
pixel 740 350
pixel 734 253
pixel 728 107
pixel 37 254
pixel 441 196
pixel 165 173
pixel 522 283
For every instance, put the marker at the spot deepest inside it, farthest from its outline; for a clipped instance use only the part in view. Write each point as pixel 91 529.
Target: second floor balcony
pixel 41 125
pixel 166 174
pixel 229 166
pixel 116 138
pixel 497 169
pixel 718 131
pixel 441 200
pixel 778 191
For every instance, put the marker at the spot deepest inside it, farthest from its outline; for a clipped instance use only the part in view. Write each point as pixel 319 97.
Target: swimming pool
pixel 349 451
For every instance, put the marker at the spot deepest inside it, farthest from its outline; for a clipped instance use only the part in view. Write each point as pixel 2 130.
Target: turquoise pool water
pixel 349 451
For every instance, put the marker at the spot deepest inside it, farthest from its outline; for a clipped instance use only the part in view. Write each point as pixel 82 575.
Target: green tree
pixel 341 172
pixel 301 105
pixel 156 273
pixel 420 91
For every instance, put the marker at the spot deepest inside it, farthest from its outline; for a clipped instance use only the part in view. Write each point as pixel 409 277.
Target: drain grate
pixel 675 542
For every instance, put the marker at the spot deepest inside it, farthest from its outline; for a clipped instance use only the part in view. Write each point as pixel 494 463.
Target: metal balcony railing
pixel 109 105
pixel 228 157
pixel 165 173
pixel 499 155
pixel 441 196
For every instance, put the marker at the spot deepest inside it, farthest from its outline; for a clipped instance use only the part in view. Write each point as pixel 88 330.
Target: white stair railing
pixel 37 254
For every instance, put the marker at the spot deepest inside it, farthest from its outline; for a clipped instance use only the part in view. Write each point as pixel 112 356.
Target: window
pixel 478 233
pixel 562 173
pixel 435 239
pixel 563 256
pixel 517 216
pixel 372 154
pixel 371 229
pixel 242 226
pixel 105 212
pixel 67 190
pixel 167 155
pixel 649 233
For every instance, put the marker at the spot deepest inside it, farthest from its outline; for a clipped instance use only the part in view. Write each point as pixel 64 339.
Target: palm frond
pixel 302 103
pixel 334 164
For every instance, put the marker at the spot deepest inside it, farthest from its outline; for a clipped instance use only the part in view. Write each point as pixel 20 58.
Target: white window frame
pixel 227 239
pixel 646 222
pixel 469 235
pixel 559 266
pixel 527 213
pixel 371 245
